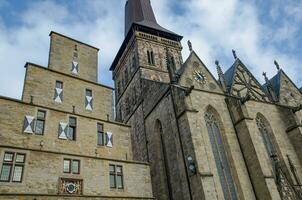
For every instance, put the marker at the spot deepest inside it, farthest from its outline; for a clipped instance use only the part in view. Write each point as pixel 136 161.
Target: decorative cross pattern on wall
pixel 246 85
pixel 29 122
pixel 58 95
pixel 109 139
pixel 88 102
pixel 63 130
pixel 75 67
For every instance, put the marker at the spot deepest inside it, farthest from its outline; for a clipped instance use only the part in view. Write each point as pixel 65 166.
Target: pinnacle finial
pixel 190 45
pixel 220 76
pixel 234 54
pixel 277 65
pixel 219 70
pixel 265 77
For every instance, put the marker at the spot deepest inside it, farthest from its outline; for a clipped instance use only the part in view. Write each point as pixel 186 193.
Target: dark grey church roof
pixel 230 73
pixel 139 16
pixel 274 84
pixel 140 12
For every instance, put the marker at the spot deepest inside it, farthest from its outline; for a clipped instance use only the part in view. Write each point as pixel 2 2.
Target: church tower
pixel 142 56
pixel 146 62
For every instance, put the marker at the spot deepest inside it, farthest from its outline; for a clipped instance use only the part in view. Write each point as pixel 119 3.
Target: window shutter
pixel 88 103
pixel 109 139
pixel 75 67
pixel 63 128
pixel 58 95
pixel 29 124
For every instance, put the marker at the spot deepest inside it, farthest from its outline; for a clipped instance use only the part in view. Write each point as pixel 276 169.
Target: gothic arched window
pixel 222 164
pixel 264 129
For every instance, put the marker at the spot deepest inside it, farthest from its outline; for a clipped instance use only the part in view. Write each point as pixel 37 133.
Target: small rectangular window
pixel 72 128
pixel 18 171
pixel 59 84
pixel 149 57
pixel 152 58
pixel 66 167
pixel 100 132
pixel 5 172
pixel 88 93
pixel 119 177
pixel 116 176
pixel 75 166
pixel 12 167
pixel 8 157
pixel 20 158
pixel 40 122
pixel 71 166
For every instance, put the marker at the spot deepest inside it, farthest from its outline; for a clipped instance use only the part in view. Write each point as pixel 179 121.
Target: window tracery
pixel 221 160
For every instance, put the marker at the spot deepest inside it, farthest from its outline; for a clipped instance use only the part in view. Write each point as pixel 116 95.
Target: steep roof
pixel 140 12
pixel 139 16
pixel 276 82
pixel 229 75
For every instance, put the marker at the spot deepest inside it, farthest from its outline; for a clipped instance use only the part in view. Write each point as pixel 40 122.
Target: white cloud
pixel 215 27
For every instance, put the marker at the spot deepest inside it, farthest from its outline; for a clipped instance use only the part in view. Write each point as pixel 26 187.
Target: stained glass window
pixel 222 164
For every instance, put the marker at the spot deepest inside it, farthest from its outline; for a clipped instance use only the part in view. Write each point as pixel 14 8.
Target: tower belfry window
pixel 150 55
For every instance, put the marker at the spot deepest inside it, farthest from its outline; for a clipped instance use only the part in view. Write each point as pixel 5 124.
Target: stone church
pixel 177 132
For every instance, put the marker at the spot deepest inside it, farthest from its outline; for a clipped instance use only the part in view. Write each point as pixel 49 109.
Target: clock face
pixel 199 77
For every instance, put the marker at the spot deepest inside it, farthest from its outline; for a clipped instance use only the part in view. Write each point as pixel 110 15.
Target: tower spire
pixel 140 12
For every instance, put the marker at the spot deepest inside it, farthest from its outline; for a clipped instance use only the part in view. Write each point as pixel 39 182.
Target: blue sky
pixel 260 31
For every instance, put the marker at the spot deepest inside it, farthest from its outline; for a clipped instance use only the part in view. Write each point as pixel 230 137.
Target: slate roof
pixel 230 73
pixel 140 12
pixel 276 82
pixel 139 16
